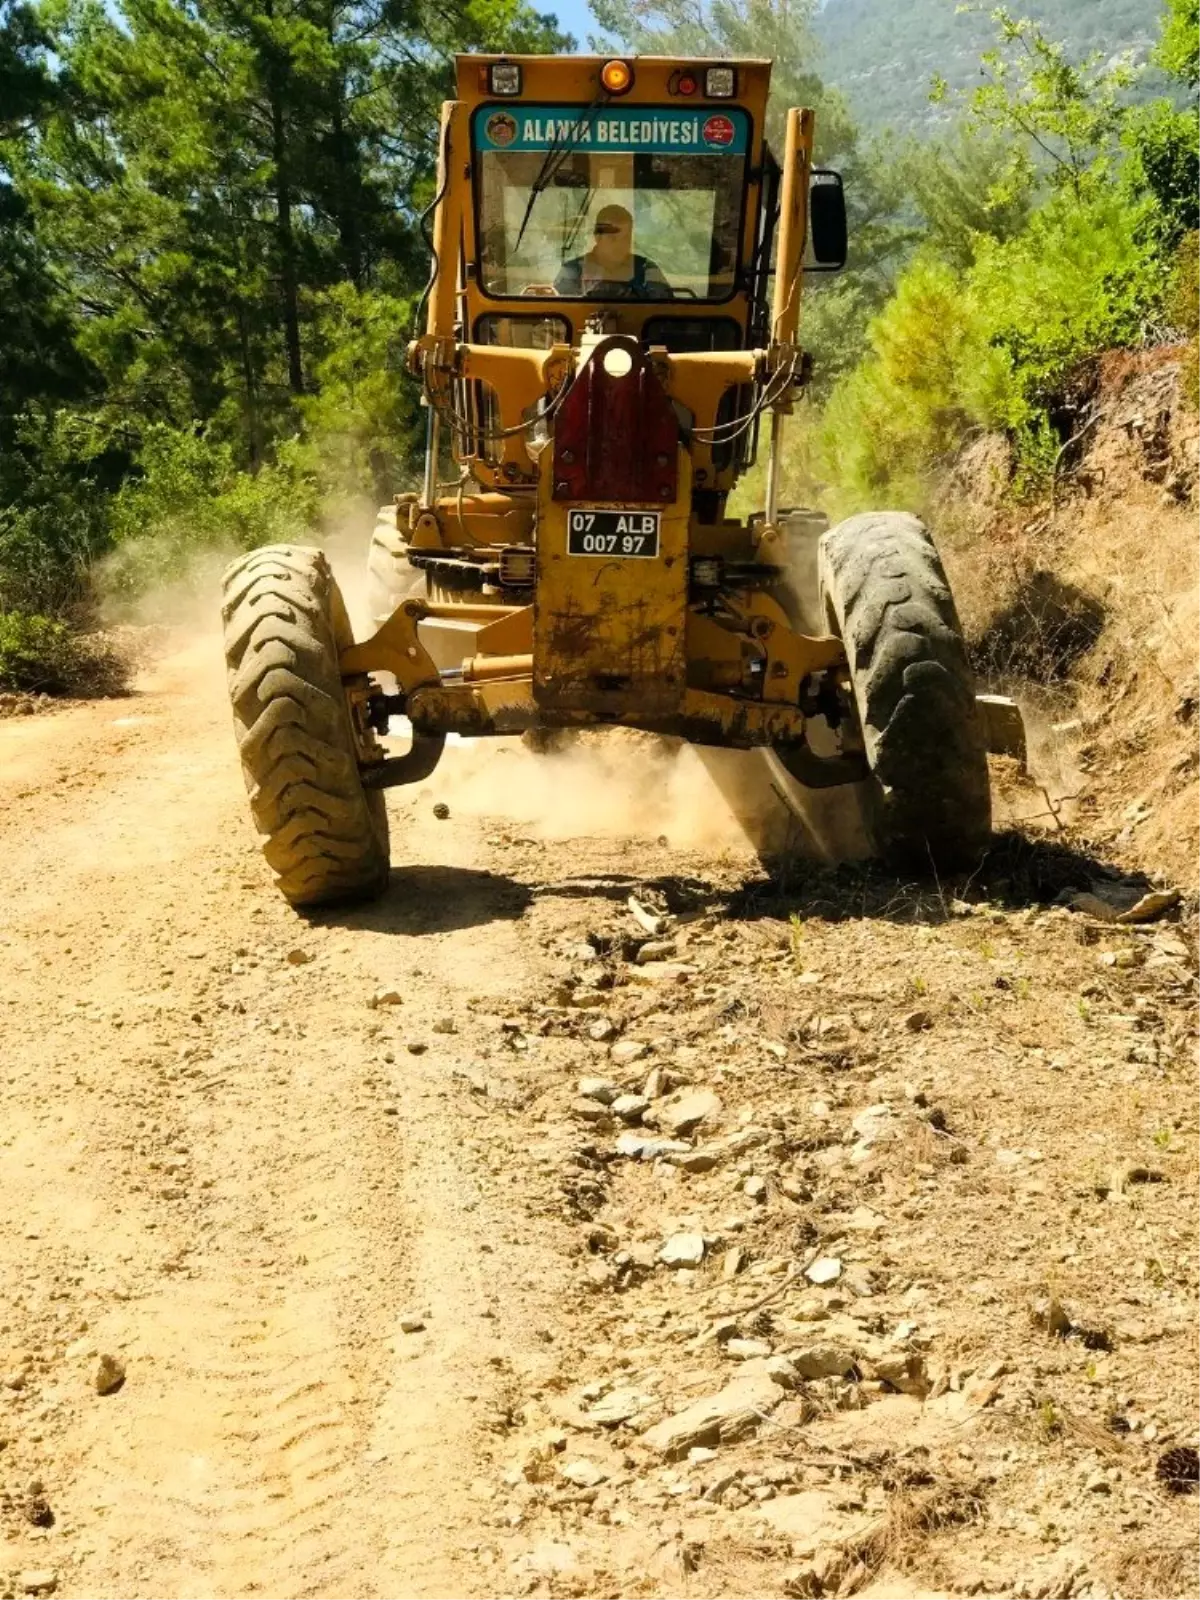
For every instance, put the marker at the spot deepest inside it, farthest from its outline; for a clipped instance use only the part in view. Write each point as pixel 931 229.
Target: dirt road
pixel 388 1283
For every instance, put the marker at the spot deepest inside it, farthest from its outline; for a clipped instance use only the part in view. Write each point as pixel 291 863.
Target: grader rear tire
pixel 390 579
pixel 326 836
pixel 884 592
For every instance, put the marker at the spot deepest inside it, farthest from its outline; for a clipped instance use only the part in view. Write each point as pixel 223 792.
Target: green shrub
pixel 991 347
pixel 55 477
pixel 190 498
pixel 929 379
pixel 363 422
pixel 1083 277
pixel 45 655
pixel 1183 307
pixel 1164 144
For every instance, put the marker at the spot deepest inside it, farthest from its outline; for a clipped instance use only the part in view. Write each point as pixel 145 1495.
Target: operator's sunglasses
pixel 611 227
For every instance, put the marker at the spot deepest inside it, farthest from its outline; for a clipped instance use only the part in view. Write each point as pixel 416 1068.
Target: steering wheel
pixel 622 289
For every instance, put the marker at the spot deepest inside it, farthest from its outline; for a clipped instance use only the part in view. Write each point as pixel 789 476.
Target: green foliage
pixel 929 377
pixel 1184 300
pixel 973 183
pixel 1178 50
pixel 26 86
pixel 1184 309
pixel 1051 220
pixel 57 475
pixel 363 428
pixel 954 352
pixel 189 496
pixel 1082 277
pixel 1070 114
pixel 1164 144
pixel 44 655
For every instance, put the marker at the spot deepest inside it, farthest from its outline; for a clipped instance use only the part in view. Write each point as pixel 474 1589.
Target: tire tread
pixel 390 578
pixel 885 592
pixel 325 835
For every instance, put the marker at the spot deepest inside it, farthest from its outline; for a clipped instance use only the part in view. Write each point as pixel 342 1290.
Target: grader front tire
pixel 325 835
pixel 885 594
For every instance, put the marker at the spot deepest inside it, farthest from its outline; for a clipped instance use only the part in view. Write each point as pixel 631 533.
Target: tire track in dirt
pixel 252 1220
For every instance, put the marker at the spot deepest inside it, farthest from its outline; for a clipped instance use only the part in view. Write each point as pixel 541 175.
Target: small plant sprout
pixel 1049 1421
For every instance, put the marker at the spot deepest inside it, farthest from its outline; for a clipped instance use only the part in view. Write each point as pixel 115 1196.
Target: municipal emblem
pixel 501 129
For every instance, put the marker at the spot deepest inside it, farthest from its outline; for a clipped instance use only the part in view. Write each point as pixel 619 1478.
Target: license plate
pixel 612 533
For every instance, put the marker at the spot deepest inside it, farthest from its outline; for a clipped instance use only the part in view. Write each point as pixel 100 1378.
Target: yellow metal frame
pixel 734 675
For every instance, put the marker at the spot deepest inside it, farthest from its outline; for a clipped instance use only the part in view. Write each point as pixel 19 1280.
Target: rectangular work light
pixel 720 83
pixel 504 78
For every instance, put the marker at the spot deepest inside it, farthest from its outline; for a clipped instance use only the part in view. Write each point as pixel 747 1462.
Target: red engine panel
pixel 616 436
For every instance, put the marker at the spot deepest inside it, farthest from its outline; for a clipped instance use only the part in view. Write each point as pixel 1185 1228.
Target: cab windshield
pixel 610 203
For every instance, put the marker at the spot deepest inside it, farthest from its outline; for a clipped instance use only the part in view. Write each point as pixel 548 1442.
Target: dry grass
pixel 1152 1573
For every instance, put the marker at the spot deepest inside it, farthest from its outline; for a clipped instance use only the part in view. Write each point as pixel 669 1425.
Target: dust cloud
pixel 608 782
pixel 615 783
pixel 1048 791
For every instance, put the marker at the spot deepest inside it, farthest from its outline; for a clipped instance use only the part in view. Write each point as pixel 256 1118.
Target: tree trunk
pixel 283 228
pixel 254 441
pixel 349 190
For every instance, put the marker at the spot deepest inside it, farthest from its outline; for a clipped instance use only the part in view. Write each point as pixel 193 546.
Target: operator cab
pixel 633 198
pixel 611 203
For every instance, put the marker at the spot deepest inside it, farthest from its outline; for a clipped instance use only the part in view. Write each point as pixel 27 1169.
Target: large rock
pixel 627 1051
pixel 109 1374
pixel 824 1270
pixel 683 1250
pixel 682 1114
pixel 904 1370
pixel 629 1107
pixel 731 1413
pixel 638 1148
pixel 813 1523
pixel 599 1089
pixel 822 1361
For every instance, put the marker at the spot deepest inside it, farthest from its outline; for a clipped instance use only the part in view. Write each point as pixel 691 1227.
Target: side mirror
pixel 827 235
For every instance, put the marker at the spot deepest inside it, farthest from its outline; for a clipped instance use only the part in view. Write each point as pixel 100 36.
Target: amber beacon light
pixel 616 77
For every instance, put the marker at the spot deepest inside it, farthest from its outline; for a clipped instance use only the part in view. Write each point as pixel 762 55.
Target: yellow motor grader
pixel 612 312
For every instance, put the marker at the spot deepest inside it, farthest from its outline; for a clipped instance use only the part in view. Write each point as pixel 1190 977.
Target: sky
pixel 574 16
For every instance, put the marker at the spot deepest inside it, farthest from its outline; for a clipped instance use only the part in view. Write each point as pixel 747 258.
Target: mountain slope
pixel 882 54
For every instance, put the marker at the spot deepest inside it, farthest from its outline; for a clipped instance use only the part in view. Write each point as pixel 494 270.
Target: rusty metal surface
pixel 609 633
pixel 474 710
pixel 506 706
pixel 616 437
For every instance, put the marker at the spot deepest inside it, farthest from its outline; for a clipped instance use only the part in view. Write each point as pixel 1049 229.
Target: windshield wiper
pixel 580 217
pixel 557 154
